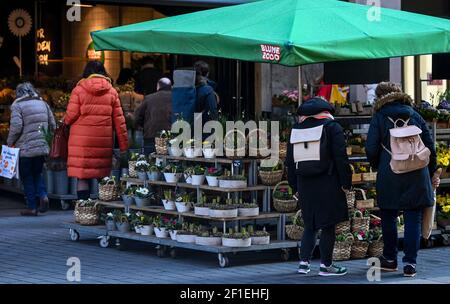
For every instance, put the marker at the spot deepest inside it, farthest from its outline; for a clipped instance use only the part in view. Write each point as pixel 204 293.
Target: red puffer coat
pixel 93 113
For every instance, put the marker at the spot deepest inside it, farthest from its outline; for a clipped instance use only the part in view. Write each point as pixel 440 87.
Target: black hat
pixel 315 106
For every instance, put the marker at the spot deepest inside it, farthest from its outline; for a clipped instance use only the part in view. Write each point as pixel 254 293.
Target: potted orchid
pixel 168 200
pixel 212 175
pixel 209 150
pixel 142 197
pixel 183 203
pixel 209 238
pixel 172 173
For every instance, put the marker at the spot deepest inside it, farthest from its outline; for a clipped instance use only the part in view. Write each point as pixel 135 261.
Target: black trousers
pixel 326 244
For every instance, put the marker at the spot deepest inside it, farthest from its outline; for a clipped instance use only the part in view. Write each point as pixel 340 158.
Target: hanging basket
pixel 283 150
pixel 270 178
pixel 132 169
pixel 359 249
pixel 359 222
pixel 108 192
pixel 252 151
pixel 295 232
pixel 343 227
pixel 281 205
pixel 161 145
pixel 365 203
pixel 234 153
pixel 86 216
pixel 375 248
pixel 342 250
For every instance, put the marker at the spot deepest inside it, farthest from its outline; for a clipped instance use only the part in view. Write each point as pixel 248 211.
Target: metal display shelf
pixel 216 160
pixel 75 229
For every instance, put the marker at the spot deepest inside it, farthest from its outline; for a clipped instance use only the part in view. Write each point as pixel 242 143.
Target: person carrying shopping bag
pixel 400 146
pixel 319 171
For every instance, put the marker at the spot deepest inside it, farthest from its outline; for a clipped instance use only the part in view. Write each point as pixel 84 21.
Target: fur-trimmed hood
pixel 399 97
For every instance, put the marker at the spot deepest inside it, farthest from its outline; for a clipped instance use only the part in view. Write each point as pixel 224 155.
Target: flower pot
pixel 153 176
pixel 223 213
pixel 198 152
pixel 183 207
pixel 198 180
pixel 212 181
pixel 186 238
pixel 111 225
pixel 142 175
pixel 49 180
pixel 201 211
pixel 138 228
pixel 209 153
pixel 161 232
pixel 172 177
pixel 187 178
pixel 142 202
pixel 61 182
pixel 189 152
pixel 73 185
pixel 147 230
pixel 175 151
pixel 208 241
pixel 128 200
pixel 260 240
pixel 123 227
pixel 173 234
pixel 169 205
pixel 248 211
pixel 225 183
pixel 229 242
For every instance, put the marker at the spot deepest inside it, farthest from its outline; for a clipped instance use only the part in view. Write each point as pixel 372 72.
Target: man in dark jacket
pixel 322 194
pixel 155 113
pixel 409 192
pixel 147 77
pixel 207 99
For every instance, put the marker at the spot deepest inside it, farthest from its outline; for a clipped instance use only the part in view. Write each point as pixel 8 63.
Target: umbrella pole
pixel 300 85
pixel 238 88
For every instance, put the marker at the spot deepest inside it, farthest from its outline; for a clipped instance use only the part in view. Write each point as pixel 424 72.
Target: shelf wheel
pixel 74 235
pixel 104 241
pixel 223 260
pixel 445 240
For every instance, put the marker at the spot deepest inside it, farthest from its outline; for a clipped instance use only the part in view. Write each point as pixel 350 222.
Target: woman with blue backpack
pixel 399 145
pixel 320 174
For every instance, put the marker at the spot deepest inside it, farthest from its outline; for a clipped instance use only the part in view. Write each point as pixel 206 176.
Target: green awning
pixel 288 32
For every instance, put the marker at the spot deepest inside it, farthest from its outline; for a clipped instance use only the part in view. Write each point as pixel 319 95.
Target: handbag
pixel 60 143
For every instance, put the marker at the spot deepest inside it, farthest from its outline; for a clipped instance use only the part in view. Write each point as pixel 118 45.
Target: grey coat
pixel 27 116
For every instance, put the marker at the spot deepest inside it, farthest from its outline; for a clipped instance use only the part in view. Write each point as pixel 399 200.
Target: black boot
pixel 83 194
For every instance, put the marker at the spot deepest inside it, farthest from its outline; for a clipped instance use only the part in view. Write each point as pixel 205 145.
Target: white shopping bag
pixel 9 162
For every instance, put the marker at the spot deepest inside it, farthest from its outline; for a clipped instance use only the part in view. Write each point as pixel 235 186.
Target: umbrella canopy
pixel 287 32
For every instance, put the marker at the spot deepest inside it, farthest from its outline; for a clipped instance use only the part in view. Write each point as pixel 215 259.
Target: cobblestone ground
pixel 35 250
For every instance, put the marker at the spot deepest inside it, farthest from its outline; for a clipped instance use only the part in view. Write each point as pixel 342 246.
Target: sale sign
pixel 9 162
pixel 271 52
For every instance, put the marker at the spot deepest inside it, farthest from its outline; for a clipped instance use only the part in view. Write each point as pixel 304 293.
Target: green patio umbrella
pixel 287 32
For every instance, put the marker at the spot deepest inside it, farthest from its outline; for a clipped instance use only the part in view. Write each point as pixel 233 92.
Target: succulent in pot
pixel 209 238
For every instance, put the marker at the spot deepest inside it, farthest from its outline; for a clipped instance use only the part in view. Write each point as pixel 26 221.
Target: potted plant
pixel 153 172
pixel 188 172
pixel 209 150
pixel 142 197
pixel 183 203
pixel 187 234
pixel 168 200
pixel 234 238
pixel 174 149
pixel 227 210
pixel 146 225
pixel 202 208
pixel 136 221
pixel 212 175
pixel 259 237
pixel 209 238
pixel 376 243
pixel 160 224
pixel 248 209
pixel 172 173
pixel 108 218
pixel 191 151
pixel 271 172
pixel 173 226
pixel 122 221
pixel 128 195
pixel 443 213
pixel 198 177
pixel 142 167
pixel 360 245
pixel 233 181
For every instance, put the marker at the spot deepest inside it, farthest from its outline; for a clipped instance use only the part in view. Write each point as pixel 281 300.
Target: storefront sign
pixel 43 47
pixel 94 55
pixel 271 52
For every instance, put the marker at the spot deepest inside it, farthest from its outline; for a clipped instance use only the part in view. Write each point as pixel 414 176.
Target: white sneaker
pixel 304 267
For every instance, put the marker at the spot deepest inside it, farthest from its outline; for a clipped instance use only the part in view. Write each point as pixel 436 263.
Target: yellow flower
pixel 446 209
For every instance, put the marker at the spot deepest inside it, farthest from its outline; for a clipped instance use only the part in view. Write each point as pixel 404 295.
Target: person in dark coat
pixel 207 99
pixel 147 78
pixel 409 192
pixel 322 197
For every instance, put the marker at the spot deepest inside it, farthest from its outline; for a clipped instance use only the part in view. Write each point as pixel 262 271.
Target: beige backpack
pixel 408 152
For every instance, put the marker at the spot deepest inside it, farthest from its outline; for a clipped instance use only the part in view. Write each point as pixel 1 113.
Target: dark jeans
pixel 149 146
pixel 30 170
pixel 411 242
pixel 326 244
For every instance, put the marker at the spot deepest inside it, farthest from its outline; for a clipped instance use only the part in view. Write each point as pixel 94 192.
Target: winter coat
pixel 206 102
pixel 155 113
pixel 322 199
pixel 398 191
pixel 93 113
pixel 28 116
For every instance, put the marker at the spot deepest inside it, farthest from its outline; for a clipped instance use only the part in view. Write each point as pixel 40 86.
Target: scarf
pixel 321 115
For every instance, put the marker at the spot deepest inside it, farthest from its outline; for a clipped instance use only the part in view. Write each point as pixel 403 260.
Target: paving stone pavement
pixel 35 250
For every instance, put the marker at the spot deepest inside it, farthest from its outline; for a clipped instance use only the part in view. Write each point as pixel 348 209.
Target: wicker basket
pixel 370 176
pixel 359 222
pixel 356 177
pixel 161 145
pixel 87 216
pixel 343 227
pixel 349 151
pixel 365 203
pixel 375 248
pixel 283 150
pixel 342 250
pixel 270 178
pixel 358 149
pixel 235 153
pixel 284 206
pixel 350 196
pixel 295 232
pixel 256 152
pixel 108 192
pixel 359 249
pixel 132 168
